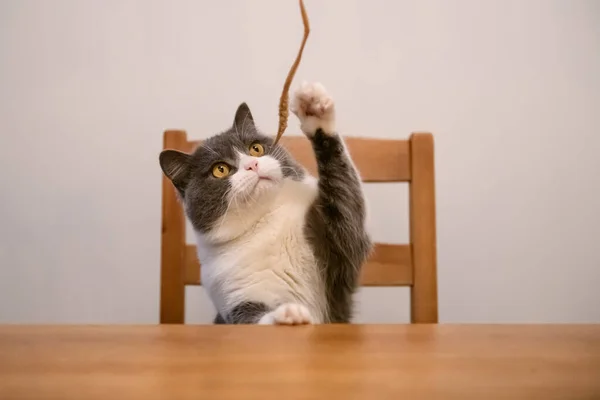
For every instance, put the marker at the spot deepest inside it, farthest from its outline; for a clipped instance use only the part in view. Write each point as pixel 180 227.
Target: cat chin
pixel 265 189
pixel 244 210
pixel 257 192
pixel 266 184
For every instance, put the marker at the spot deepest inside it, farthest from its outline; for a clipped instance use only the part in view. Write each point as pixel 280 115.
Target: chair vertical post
pixel 172 288
pixel 424 303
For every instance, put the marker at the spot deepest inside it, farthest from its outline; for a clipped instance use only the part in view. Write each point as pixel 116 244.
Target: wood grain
pixel 389 265
pixel 310 362
pixel 172 289
pixel 424 302
pixel 377 160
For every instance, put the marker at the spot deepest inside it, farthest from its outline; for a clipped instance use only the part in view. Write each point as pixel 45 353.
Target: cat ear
pixel 176 166
pixel 243 118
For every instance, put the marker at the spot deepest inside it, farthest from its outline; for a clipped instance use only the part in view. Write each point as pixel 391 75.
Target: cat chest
pixel 270 266
pixel 263 254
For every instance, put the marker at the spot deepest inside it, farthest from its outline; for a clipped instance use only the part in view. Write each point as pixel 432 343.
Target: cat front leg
pixel 260 313
pixel 287 314
pixel 340 191
pixel 336 222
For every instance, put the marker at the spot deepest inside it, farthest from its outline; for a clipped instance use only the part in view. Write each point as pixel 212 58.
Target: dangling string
pixel 284 99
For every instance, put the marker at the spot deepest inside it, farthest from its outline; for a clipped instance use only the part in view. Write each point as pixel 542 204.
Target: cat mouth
pixel 260 180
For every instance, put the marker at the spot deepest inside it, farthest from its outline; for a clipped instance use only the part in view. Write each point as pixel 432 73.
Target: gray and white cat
pixel 277 246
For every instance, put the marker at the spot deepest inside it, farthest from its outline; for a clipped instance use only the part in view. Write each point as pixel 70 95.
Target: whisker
pixel 294 170
pixel 228 205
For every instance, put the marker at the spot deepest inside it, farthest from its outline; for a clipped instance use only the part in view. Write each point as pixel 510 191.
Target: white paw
pixel 287 314
pixel 314 108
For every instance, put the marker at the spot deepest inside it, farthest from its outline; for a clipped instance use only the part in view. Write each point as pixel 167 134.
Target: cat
pixel 277 245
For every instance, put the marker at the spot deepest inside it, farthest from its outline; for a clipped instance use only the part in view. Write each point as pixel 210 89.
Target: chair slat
pixel 172 265
pixel 389 265
pixel 424 302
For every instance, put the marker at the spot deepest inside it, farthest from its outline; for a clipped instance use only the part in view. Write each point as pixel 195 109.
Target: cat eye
pixel 256 149
pixel 220 170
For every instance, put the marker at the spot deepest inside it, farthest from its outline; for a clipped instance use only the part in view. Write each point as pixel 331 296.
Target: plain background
pixel 510 89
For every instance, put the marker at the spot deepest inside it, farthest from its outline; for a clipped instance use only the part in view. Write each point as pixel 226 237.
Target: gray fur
pixel 334 224
pixel 247 313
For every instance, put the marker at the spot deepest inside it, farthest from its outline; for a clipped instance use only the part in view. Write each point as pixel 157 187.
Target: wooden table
pixel 308 362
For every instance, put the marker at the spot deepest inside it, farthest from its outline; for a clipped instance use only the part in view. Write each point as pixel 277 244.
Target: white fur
pixel 314 108
pixel 287 314
pixel 247 184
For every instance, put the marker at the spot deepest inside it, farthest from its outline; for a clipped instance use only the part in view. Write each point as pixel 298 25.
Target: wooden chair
pixel 378 160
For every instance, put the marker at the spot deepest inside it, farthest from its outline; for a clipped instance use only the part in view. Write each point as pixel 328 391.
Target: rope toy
pixel 285 96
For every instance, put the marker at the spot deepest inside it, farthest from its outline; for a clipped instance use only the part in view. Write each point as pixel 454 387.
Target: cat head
pixel 230 172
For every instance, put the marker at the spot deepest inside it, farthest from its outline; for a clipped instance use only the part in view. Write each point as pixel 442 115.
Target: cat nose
pixel 252 165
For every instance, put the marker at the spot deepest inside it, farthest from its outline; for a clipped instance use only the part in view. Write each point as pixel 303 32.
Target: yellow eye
pixel 220 170
pixel 256 149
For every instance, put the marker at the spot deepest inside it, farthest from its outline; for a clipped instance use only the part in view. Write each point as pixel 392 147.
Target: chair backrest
pixel 378 160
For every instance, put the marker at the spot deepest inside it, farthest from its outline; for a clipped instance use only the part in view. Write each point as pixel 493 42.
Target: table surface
pixel 305 362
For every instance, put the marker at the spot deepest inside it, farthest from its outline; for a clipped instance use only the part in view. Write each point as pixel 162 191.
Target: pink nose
pixel 252 165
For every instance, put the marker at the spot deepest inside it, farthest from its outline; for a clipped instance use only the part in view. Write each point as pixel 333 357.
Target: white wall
pixel 510 89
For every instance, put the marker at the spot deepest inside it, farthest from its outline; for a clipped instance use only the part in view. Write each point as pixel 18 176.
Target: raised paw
pixel 287 314
pixel 314 108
